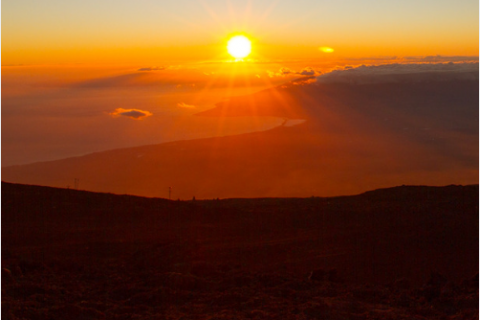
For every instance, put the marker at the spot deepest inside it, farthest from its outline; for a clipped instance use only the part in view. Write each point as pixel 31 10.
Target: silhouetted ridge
pixel 418 192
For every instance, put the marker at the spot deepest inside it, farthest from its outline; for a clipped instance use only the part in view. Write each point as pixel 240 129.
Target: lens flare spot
pixel 326 49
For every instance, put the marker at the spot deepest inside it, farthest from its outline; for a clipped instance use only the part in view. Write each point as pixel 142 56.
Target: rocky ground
pixel 77 255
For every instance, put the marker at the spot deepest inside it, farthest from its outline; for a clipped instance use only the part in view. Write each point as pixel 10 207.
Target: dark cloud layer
pixel 413 72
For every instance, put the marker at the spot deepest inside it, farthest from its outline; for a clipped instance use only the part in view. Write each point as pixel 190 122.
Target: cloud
pixel 271 74
pixel 184 105
pixel 285 71
pixel 152 68
pixel 412 59
pixel 439 58
pixel 304 81
pixel 308 71
pixel 373 58
pixel 131 113
pixel 299 82
pixel 413 72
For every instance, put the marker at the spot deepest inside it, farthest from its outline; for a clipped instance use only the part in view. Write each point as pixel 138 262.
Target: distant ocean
pixel 48 116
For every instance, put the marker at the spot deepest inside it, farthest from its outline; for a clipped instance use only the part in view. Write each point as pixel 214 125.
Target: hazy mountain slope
pixel 356 137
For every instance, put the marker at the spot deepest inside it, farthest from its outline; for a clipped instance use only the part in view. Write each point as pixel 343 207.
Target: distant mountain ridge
pixel 397 192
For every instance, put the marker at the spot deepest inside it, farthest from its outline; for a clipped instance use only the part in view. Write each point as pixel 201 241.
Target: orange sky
pixel 149 32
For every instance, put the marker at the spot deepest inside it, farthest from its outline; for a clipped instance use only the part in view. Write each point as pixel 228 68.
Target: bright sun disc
pixel 239 47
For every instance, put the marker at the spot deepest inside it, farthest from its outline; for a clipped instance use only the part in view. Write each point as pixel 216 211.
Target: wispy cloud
pixel 152 68
pixel 135 114
pixel 184 105
pixel 285 71
pixel 299 82
pixel 438 58
pixel 304 81
pixel 307 72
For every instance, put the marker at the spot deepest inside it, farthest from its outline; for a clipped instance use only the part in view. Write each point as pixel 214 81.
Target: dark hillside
pixel 399 253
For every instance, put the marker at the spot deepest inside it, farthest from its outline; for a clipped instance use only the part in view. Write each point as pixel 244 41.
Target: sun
pixel 239 47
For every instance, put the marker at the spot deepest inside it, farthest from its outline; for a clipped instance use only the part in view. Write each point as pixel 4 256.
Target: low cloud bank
pixel 299 82
pixel 438 58
pixel 131 113
pixel 308 71
pixel 416 72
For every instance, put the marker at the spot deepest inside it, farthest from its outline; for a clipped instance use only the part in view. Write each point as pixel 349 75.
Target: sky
pixel 123 31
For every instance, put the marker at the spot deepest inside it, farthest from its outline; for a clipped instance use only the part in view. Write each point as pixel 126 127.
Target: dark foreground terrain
pixel 399 253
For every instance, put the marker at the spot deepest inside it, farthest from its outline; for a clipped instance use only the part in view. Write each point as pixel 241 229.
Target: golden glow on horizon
pixel 239 47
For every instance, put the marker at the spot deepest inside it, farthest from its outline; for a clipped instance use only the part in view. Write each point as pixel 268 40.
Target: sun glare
pixel 239 47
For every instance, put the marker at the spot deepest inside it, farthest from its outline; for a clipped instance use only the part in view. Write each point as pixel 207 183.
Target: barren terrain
pixel 408 252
